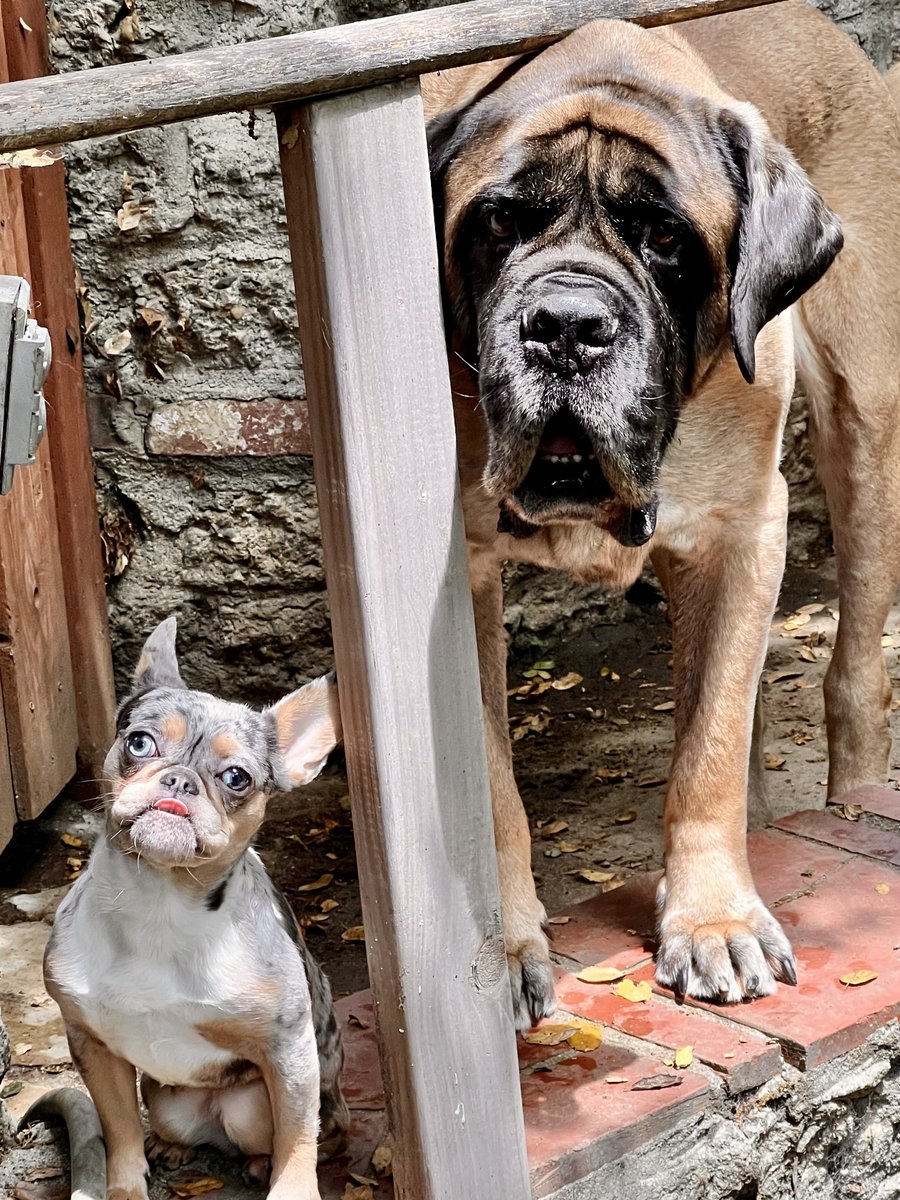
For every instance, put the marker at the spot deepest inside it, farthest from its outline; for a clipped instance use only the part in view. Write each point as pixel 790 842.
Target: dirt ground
pixel 592 755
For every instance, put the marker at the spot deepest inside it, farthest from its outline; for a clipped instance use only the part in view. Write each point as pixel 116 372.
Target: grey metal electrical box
pixel 24 363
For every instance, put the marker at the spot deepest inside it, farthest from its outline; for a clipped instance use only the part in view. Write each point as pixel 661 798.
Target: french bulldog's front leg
pixel 717 940
pixel 528 954
pixel 112 1084
pixel 291 1074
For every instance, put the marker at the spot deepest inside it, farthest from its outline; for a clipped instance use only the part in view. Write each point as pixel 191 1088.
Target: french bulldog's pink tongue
pixel 175 807
pixel 558 443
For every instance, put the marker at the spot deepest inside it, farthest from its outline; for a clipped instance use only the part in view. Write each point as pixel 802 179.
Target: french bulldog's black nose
pixel 181 783
pixel 570 324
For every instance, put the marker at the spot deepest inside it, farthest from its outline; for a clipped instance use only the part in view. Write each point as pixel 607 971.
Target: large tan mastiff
pixel 642 236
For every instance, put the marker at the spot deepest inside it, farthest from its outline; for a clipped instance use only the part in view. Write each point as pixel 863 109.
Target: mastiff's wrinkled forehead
pixel 613 223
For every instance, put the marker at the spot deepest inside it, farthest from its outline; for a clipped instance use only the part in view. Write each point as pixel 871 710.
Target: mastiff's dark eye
pixel 141 745
pixel 663 237
pixel 499 223
pixel 236 779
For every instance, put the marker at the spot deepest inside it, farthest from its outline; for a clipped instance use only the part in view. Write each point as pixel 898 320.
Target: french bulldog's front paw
pixel 167 1154
pixel 726 952
pixel 530 980
pixel 133 1190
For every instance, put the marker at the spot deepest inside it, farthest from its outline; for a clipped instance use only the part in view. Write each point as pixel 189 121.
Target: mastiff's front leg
pixel 717 940
pixel 531 975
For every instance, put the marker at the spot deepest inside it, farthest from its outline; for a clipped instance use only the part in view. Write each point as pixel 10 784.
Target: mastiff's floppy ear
pixel 786 237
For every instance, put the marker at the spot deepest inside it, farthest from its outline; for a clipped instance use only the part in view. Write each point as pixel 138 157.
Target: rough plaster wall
pixel 192 301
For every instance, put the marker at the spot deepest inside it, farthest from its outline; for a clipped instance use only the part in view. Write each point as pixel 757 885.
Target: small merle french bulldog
pixel 174 953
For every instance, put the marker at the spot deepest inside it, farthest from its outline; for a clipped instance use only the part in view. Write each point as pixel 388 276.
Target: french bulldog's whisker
pixel 465 361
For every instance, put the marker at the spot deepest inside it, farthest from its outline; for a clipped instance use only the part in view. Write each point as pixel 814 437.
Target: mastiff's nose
pixel 569 325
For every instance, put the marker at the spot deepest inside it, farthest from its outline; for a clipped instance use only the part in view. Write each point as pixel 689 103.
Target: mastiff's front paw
pixel 530 979
pixel 724 949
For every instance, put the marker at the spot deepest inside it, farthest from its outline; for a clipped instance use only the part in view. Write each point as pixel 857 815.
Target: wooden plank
pixel 53 285
pixel 366 274
pixel 35 669
pixel 304 65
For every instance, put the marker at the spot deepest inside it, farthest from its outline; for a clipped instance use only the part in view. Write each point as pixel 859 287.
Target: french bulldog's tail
pixel 87 1152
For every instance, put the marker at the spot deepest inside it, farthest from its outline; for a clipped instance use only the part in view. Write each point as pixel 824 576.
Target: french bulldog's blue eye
pixel 236 779
pixel 141 745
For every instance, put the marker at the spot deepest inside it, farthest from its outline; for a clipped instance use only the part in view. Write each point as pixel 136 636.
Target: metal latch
pixel 24 363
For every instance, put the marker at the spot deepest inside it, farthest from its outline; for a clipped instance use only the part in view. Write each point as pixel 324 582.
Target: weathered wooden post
pixel 365 266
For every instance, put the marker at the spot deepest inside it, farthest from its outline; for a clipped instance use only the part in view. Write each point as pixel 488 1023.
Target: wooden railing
pixel 362 237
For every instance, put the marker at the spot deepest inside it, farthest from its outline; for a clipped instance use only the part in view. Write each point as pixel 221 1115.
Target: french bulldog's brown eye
pixel 141 745
pixel 236 779
pixel 500 223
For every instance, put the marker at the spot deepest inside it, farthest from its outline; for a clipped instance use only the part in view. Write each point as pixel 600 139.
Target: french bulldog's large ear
pixel 158 665
pixel 307 727
pixel 786 237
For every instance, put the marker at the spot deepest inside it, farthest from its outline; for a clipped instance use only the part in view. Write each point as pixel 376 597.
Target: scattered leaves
pixel 684 1056
pixel 356 933
pixel 635 992
pixel 848 812
pixel 118 343
pixel 197 1185
pixel 858 978
pixel 596 876
pixel 652 1083
pixel 600 974
pixel 625 818
pixel 579 1034
pixel 565 682
pixel 317 884
pixel 29 158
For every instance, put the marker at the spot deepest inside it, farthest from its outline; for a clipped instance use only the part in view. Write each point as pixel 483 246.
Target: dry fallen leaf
pixel 600 974
pixel 383 1159
pixel 117 344
pixel 808 654
pixel 810 608
pixel 587 1036
pixel 548 1035
pixel 611 774
pixel 857 978
pixel 356 933
pixel 558 920
pixel 684 1056
pixel 774 762
pixel 615 1079
pixel 625 818
pixel 666 706
pixel 887 641
pixel 635 992
pixel 652 1083
pixel 357 1193
pixel 848 812
pixel 29 158
pixel 647 781
pixel 10 1089
pixel 317 884
pixel 572 679
pixel 568 847
pixel 329 905
pixel 196 1186
pixel 69 839
pixel 796 621
pixel 130 214
pixel 596 876
pixel 882 889
pixel 554 827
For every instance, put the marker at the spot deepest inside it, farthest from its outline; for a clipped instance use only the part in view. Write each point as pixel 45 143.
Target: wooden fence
pixel 358 194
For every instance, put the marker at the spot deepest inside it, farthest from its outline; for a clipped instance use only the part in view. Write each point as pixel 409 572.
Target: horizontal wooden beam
pixel 300 66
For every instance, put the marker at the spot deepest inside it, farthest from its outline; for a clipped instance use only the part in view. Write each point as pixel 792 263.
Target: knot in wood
pixel 489 964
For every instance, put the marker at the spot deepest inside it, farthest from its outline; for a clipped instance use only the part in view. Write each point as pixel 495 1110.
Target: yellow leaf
pixel 587 1036
pixel 568 847
pixel 625 818
pixel 773 762
pixel 600 974
pixel 635 992
pixel 796 621
pixel 666 706
pixel 684 1056
pixel 856 978
pixel 198 1186
pixel 356 933
pixel 567 681
pixel 383 1159
pixel 596 876
pixel 882 889
pixel 549 1035
pixel 612 884
pixel 317 884
pixel 69 839
pixel 329 905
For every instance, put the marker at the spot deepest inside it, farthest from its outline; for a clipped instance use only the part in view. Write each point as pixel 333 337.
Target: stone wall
pixel 179 236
